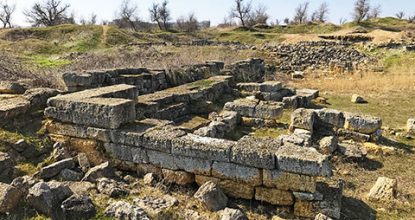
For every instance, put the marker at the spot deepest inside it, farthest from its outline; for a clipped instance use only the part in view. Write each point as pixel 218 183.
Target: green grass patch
pixel 47 62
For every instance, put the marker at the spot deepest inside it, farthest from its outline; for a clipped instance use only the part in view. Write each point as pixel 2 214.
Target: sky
pixel 215 10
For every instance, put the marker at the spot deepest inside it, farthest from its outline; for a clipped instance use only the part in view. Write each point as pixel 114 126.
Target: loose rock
pixel 232 214
pixel 384 190
pixel 78 207
pixel 9 197
pixel 212 196
pixel 111 188
pixel 102 170
pixel 55 168
pixel 358 99
pixel 126 211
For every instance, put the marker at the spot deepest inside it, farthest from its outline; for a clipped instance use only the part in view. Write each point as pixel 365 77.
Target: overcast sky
pixel 215 10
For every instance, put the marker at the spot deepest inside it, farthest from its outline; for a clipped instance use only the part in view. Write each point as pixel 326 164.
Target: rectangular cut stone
pixel 289 181
pixel 193 165
pixel 362 123
pixel 107 107
pixel 203 147
pixel 274 196
pixel 249 87
pixel 131 135
pixel 235 172
pixel 303 119
pixel 271 86
pixel 330 118
pixel 161 139
pixel 127 153
pixel 233 189
pixel 70 130
pixel 255 152
pixel 161 159
pixel 301 160
pixel 98 134
pixel 245 107
pixel 268 110
pixel 304 209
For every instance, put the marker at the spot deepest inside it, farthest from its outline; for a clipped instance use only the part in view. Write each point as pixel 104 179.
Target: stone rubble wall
pixel 304 55
pixel 264 169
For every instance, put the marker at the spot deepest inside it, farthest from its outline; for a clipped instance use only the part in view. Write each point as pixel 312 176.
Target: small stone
pixel 55 168
pixel 384 190
pixel 102 170
pixel 111 188
pixel 328 145
pixel 211 196
pixel 24 183
pixel 150 179
pixel 126 211
pixel 410 126
pixel 322 217
pixel 232 214
pixel 70 175
pixel 78 207
pixel 11 88
pixel 83 162
pixel 358 99
pixel 6 167
pixel 9 197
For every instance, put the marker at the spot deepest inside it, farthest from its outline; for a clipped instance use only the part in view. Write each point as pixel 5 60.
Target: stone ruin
pixel 142 120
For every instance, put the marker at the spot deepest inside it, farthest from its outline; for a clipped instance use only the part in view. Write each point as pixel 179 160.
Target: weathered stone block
pixel 410 126
pixel 127 153
pixel 303 119
pixel 274 196
pixel 270 86
pixel 161 139
pixel 178 177
pixel 301 160
pixel 362 124
pixel 304 209
pixel 70 130
pixel 107 107
pixel 161 159
pixel 250 175
pixel 245 107
pixel 255 152
pixel 203 147
pixel 352 135
pixel 289 181
pixel 268 110
pixel 330 118
pixel 193 165
pixel 232 188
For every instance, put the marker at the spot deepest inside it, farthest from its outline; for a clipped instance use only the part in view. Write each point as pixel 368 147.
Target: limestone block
pixel 235 172
pixel 384 190
pixel 245 107
pixel 255 152
pixel 161 159
pixel 307 161
pixel 107 107
pixel 308 93
pixel 304 209
pixel 328 145
pixel 203 147
pixel 127 153
pixel 289 181
pixel 268 110
pixel 249 86
pixel 330 118
pixel 70 130
pixel 274 196
pixel 362 124
pixel 352 135
pixel 162 139
pixel 270 86
pixel 303 119
pixel 11 107
pixel 410 126
pixel 231 188
pixel 178 177
pixel 193 165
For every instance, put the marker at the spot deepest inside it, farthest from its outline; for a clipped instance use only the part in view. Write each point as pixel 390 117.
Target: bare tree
pixel 161 14
pixel 361 10
pixel 93 19
pixel 411 18
pixel 258 16
pixel 127 15
pixel 400 15
pixel 241 11
pixel 6 13
pixel 48 13
pixel 188 24
pixel 287 21
pixel 301 13
pixel 342 21
pixel 375 12
pixel 320 15
pixel 227 22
